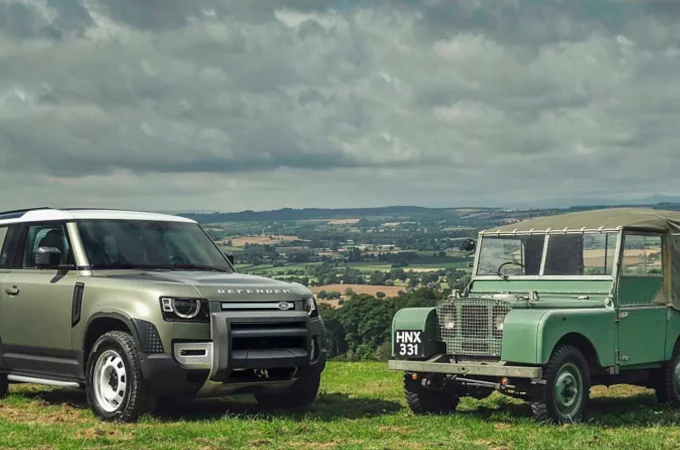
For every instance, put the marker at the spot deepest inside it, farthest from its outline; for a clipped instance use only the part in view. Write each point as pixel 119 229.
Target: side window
pixel 46 236
pixel 642 255
pixel 3 234
pixel 8 240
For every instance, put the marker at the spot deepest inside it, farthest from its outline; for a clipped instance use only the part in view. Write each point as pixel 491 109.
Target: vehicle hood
pixel 218 286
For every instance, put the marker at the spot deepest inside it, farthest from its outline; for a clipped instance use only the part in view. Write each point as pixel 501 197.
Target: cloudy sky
pixel 259 104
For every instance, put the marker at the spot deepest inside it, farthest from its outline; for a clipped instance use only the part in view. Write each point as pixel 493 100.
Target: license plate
pixel 408 343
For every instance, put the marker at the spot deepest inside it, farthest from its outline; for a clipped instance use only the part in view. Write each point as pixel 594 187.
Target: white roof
pixel 44 215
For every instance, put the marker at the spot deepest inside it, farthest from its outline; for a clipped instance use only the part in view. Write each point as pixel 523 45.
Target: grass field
pixel 360 406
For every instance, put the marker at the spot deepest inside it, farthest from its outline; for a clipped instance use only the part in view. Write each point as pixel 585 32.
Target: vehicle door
pixel 641 320
pixel 35 305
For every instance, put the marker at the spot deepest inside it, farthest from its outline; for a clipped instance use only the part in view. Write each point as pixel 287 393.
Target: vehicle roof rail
pixel 22 211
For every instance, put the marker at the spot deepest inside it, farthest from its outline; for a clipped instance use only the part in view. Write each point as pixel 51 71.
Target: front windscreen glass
pixel 122 244
pixel 581 254
pixel 511 255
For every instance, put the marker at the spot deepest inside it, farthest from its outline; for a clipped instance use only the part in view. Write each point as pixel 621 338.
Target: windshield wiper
pixel 197 267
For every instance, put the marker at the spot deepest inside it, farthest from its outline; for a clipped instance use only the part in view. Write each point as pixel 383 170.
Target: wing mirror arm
pixel 230 257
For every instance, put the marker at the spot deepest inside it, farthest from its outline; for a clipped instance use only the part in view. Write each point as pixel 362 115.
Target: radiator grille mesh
pixel 472 326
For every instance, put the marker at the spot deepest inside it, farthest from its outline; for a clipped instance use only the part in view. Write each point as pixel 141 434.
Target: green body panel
pixel 642 335
pixel 530 335
pixel 132 300
pixel 639 290
pixel 597 326
pixel 520 335
pixel 418 319
pixel 567 287
pixel 672 331
pixel 27 319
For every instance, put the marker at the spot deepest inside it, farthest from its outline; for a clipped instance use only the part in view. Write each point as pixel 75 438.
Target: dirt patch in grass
pixel 97 432
pixel 38 413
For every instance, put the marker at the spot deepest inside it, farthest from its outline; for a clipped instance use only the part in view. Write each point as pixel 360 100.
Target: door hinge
pixel 619 357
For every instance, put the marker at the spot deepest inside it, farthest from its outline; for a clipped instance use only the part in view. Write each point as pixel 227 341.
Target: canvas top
pixel 641 219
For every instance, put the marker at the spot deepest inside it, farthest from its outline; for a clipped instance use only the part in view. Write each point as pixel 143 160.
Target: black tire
pixel 668 383
pixel 116 350
pixel 298 397
pixel 564 398
pixel 424 401
pixel 4 385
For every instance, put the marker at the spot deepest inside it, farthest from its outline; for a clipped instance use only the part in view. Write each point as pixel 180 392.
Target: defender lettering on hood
pixel 253 291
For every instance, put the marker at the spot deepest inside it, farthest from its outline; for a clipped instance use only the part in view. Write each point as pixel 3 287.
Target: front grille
pixel 268 336
pixel 472 326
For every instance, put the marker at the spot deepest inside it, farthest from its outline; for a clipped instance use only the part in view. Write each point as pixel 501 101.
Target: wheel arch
pixel 583 344
pixel 101 323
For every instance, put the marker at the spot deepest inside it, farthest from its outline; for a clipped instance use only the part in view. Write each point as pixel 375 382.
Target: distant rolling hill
pixel 290 214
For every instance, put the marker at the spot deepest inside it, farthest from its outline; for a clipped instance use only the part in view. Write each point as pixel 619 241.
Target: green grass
pixel 360 406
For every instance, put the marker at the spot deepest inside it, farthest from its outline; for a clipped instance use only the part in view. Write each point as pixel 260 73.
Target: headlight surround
pixel 309 305
pixel 184 309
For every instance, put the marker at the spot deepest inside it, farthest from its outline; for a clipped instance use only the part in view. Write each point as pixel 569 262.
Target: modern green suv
pixel 136 306
pixel 556 305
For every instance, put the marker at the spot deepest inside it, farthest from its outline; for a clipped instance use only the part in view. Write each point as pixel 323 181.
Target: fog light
pixel 414 377
pixel 505 381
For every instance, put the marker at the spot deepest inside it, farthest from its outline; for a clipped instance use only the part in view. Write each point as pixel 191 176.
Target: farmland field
pixel 261 240
pixel 344 221
pixel 390 291
pixel 360 406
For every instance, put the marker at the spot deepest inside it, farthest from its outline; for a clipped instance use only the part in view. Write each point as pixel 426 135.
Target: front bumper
pixel 474 369
pixel 248 353
pixel 266 340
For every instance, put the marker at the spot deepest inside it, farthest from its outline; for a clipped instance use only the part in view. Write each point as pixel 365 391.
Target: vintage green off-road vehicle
pixel 555 306
pixel 139 306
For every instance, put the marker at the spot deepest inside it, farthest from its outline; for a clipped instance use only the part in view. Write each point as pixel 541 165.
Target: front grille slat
pixel 470 326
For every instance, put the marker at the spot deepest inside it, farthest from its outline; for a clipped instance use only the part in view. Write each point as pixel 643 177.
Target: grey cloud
pixel 298 101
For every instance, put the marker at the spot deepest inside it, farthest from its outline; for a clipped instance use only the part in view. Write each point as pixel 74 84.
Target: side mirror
pixel 47 258
pixel 230 257
pixel 469 245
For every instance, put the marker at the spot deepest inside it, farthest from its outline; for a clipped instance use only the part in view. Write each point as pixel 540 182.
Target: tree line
pixel 361 329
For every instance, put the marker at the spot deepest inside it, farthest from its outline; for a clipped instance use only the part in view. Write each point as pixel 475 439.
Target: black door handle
pixel 12 291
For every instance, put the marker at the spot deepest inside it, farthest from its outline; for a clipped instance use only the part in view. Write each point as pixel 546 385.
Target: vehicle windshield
pixel 581 254
pixel 123 244
pixel 574 254
pixel 511 255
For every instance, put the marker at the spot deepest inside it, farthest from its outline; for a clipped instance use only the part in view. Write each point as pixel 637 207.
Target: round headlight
pixel 449 322
pixel 499 322
pixel 186 308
